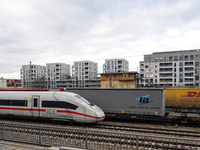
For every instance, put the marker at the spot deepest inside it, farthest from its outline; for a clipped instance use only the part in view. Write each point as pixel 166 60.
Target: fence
pixel 90 139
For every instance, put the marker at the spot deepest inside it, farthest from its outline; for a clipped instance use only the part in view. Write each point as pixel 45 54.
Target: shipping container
pixel 126 101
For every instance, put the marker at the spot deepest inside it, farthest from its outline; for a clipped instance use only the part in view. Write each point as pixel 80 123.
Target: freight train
pixel 170 104
pixel 57 106
pixel 183 103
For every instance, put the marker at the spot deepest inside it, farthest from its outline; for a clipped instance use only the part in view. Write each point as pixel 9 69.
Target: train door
pixel 35 106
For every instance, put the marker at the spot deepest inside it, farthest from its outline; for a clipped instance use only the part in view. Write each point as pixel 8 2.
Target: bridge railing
pixel 90 139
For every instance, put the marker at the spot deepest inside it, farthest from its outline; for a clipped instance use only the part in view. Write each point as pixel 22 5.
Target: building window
pixel 181 80
pixel 165 58
pixel 115 86
pixel 180 69
pixel 186 58
pixel 197 78
pixel 128 85
pixel 114 75
pixel 151 59
pixel 108 62
pixel 196 57
pixel 196 70
pixel 107 76
pixel 196 64
pixel 180 75
pixel 156 59
pixel 170 58
pixel 161 59
pixel 146 60
pixel 191 57
pixel 129 75
pixel 122 86
pixel 181 58
pixel 107 86
pixel 180 63
pixel 125 75
pixel 175 58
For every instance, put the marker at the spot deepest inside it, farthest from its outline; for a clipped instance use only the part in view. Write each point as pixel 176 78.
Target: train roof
pixel 36 92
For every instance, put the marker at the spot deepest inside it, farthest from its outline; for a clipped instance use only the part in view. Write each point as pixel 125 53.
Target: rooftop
pixel 130 72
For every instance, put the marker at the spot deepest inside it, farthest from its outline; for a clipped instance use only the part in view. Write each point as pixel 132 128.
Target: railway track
pixel 97 138
pixel 151 130
pixel 104 126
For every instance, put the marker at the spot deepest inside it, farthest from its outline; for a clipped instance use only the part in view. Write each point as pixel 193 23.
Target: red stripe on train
pixel 24 109
pixel 72 112
pixel 59 111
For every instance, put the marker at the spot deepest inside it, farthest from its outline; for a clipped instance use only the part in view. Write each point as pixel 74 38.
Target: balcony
pixel 189 75
pixel 189 69
pixel 166 76
pixel 188 63
pixel 166 80
pixel 165 70
pixel 188 80
pixel 165 64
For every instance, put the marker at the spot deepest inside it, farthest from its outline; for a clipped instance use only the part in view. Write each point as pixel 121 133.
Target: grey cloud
pixel 66 31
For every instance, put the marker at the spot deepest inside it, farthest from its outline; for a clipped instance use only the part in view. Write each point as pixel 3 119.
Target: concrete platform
pixel 8 145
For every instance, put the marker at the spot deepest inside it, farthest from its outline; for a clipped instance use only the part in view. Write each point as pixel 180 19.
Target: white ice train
pixel 65 106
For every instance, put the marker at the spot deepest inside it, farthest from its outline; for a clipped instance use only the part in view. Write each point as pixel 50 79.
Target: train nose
pixel 100 116
pixel 94 114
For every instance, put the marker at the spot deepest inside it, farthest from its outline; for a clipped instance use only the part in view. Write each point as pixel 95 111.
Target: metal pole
pixel 86 140
pixel 30 75
pixel 137 146
pixel 40 135
pixel 2 130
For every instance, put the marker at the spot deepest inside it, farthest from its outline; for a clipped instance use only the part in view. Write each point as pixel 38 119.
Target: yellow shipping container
pixel 182 97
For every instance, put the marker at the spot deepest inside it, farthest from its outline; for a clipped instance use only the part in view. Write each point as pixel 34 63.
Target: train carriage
pixel 64 106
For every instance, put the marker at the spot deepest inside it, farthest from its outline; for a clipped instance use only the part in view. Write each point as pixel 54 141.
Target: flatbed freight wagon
pixel 126 102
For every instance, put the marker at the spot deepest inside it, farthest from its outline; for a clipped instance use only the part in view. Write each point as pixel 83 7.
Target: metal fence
pixel 91 139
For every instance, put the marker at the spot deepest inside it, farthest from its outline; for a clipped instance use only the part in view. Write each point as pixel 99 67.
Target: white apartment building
pixel 174 68
pixel 115 65
pixel 56 72
pixel 29 73
pixel 84 70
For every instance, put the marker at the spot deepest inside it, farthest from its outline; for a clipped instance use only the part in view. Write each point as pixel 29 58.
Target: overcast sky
pixel 48 31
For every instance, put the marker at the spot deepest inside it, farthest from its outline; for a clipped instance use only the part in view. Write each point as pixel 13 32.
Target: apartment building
pixel 173 68
pixel 84 70
pixel 30 73
pixel 9 83
pixel 56 72
pixel 115 65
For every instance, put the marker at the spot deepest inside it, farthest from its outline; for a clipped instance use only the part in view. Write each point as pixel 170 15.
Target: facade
pixel 83 71
pixel 115 65
pixel 56 72
pixel 70 83
pixel 30 73
pixel 119 80
pixel 4 83
pixel 174 68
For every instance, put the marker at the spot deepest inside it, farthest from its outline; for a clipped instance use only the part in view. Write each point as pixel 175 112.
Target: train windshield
pixel 83 99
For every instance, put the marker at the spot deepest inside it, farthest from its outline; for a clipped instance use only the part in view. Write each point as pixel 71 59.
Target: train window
pixel 57 104
pixel 35 102
pixel 14 102
pixel 83 99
